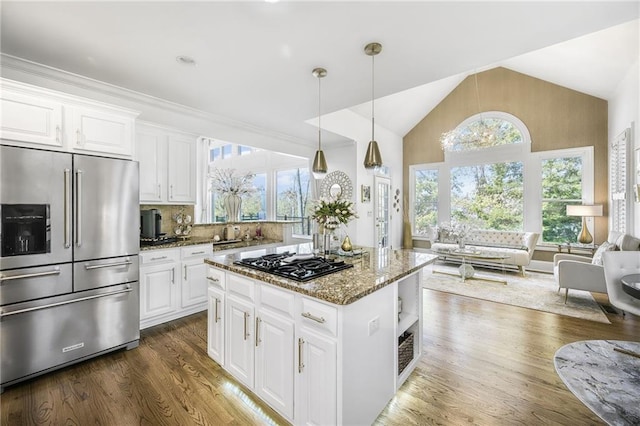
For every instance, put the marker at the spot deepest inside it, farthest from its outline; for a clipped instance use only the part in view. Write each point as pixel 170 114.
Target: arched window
pixel 485 130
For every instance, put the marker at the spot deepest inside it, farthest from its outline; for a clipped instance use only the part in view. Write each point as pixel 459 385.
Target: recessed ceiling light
pixel 186 60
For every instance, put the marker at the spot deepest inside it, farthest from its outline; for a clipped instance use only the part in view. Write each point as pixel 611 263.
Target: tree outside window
pixel 426 201
pixel 254 205
pixel 292 198
pixel 488 196
pixel 561 186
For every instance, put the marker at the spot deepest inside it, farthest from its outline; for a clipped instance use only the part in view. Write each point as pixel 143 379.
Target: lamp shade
pixel 584 210
pixel 319 165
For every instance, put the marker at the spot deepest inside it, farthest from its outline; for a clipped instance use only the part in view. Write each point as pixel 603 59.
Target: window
pixel 561 186
pixel 480 132
pixel 292 198
pixel 488 196
pixel 244 150
pixel 226 151
pixel 254 206
pixel 425 185
pixel 502 185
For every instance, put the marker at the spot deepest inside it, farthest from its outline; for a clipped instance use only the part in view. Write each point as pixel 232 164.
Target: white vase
pixel 232 204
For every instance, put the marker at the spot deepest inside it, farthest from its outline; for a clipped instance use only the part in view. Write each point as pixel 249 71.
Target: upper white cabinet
pixel 37 117
pixel 167 165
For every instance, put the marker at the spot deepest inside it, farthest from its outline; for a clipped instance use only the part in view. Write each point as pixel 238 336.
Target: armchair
pixel 578 273
pixel 582 273
pixel 617 265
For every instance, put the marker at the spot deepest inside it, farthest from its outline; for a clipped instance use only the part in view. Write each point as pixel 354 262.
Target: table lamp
pixel 584 211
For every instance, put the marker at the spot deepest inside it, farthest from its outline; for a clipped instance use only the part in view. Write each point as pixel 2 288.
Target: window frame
pixel 532 172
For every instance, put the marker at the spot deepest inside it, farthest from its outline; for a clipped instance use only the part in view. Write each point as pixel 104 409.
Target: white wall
pixel 358 128
pixel 624 112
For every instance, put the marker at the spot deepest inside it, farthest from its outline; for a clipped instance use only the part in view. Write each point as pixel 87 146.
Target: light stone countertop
pixel 219 246
pixel 375 269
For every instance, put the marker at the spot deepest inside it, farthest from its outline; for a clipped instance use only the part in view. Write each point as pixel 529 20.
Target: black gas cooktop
pixel 298 267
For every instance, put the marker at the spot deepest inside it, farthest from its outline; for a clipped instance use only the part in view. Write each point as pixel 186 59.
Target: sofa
pixel 584 273
pixel 518 246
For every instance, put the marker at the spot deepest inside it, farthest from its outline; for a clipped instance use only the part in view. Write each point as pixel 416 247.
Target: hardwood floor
pixel 484 364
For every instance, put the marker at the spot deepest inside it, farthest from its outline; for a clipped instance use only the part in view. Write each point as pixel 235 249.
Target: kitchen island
pixel 332 350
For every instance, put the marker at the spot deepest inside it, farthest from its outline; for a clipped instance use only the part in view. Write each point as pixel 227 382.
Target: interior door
pixel 382 219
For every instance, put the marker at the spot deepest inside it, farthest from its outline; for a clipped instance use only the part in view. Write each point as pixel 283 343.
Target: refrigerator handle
pixel 67 208
pixel 78 208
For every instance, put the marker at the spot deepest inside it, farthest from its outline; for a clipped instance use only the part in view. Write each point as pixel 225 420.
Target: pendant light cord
pixel 319 116
pixel 372 98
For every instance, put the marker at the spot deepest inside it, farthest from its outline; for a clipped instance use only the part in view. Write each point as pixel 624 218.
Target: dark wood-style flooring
pixel 484 364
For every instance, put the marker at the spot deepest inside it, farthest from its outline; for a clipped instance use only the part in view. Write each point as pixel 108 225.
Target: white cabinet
pixel 194 274
pixel 30 117
pixel 173 283
pixel 240 354
pixel 158 286
pixel 216 316
pixel 167 165
pixel 314 362
pixel 37 117
pixel 100 130
pixel 316 379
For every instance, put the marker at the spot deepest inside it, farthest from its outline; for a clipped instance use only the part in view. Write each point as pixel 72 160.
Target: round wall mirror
pixel 336 185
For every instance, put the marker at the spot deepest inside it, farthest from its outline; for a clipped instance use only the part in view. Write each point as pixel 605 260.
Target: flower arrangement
pixel 226 181
pixel 331 212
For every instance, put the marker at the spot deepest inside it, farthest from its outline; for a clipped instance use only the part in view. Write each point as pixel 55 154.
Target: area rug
pixel 535 291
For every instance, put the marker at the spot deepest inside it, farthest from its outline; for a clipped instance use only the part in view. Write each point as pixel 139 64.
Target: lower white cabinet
pixel 240 353
pixel 314 362
pixel 173 283
pixel 316 379
pixel 274 337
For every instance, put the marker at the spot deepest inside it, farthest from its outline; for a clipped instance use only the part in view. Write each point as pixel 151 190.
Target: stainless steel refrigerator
pixel 69 243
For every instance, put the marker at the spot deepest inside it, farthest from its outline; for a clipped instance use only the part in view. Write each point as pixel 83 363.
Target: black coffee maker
pixel 150 224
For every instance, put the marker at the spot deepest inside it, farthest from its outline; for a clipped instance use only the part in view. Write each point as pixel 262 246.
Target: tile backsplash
pixel 270 230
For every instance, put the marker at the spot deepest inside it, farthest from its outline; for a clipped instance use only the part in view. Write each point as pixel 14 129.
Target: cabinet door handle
pixel 173 275
pixel 246 316
pixel 185 272
pixel 171 192
pixel 79 137
pixel 159 191
pixel 258 321
pixel 300 363
pixel 58 134
pixel 216 317
pixel 309 315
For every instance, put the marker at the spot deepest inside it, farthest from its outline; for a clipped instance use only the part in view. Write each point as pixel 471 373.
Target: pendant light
pixel 319 168
pixel 372 159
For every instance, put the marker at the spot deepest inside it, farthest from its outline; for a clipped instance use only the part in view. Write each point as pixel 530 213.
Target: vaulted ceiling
pixel 253 60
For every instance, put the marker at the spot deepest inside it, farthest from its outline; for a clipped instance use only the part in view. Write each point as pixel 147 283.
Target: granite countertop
pixel 217 246
pixel 375 269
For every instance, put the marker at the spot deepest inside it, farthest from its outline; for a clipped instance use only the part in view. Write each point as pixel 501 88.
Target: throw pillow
pixel 605 246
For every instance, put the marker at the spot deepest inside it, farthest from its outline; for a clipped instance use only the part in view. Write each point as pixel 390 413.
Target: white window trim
pixel 532 191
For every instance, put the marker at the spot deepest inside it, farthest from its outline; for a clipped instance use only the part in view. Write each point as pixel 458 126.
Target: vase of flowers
pixel 232 186
pixel 330 213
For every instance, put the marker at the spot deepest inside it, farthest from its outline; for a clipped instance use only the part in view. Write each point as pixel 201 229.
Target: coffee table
pixel 466 270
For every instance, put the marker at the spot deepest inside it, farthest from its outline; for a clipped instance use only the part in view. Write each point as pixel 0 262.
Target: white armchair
pixel 578 273
pixel 617 264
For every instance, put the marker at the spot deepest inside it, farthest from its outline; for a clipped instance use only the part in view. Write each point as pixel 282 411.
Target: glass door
pixel 382 188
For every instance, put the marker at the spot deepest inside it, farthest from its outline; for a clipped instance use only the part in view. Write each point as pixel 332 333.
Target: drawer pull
pixel 258 321
pixel 309 315
pixel 197 252
pixel 55 271
pixel 214 279
pixel 246 316
pixel 300 363
pixel 157 258
pixel 108 265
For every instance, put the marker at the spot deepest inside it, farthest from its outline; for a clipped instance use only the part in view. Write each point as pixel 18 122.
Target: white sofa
pixel 519 246
pixel 587 274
